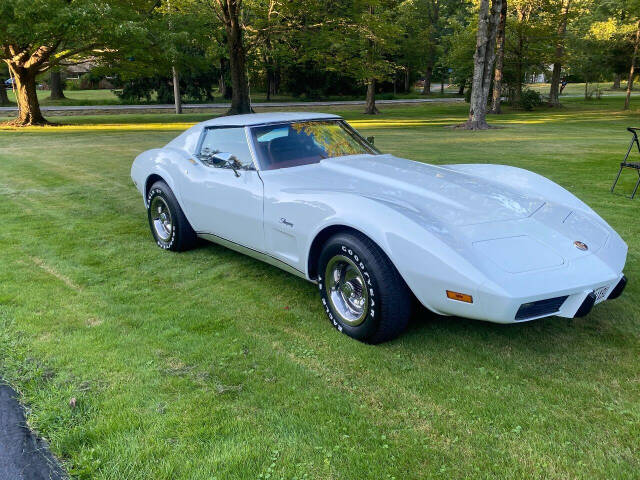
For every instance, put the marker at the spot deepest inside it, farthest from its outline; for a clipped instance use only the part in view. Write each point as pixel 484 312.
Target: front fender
pixel 166 163
pixel 428 255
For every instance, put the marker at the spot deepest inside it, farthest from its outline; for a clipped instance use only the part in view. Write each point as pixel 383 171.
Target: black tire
pixel 178 236
pixel 388 305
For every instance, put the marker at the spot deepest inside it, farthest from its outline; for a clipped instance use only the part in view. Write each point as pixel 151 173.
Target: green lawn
pixel 209 364
pixel 75 97
pixel 107 97
pixel 577 89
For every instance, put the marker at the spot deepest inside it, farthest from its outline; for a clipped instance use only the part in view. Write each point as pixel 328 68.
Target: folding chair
pixel 634 165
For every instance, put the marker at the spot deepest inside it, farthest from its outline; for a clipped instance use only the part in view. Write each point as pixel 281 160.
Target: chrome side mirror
pixel 225 160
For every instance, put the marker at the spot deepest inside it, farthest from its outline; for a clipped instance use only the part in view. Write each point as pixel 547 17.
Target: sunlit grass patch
pixel 113 127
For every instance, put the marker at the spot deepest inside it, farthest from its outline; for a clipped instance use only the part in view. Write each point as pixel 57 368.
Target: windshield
pixel 302 143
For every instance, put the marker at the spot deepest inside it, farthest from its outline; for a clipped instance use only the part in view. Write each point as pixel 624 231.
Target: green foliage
pixel 195 87
pixel 529 100
pixel 594 92
pixel 72 27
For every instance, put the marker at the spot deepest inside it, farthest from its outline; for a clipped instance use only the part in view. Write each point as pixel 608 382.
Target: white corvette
pixel 307 193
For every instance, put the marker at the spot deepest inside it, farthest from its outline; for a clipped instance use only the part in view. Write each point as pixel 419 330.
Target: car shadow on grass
pixel 545 335
pixel 550 335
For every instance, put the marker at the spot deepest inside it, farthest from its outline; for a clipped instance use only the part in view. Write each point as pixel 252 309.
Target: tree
pixel 634 59
pixel 377 32
pixel 528 46
pixel 554 89
pixel 4 73
pixel 617 22
pixel 229 12
pixel 36 36
pixel 357 40
pixel 497 78
pixel 483 58
pixel 461 47
pixel 56 85
pixel 431 15
pixel 587 59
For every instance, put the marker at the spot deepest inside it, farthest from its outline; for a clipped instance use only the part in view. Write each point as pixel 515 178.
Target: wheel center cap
pixel 347 289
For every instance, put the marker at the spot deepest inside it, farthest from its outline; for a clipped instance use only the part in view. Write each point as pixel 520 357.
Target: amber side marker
pixel 461 297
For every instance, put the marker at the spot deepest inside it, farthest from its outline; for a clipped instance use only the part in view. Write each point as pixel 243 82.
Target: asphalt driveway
pixel 22 454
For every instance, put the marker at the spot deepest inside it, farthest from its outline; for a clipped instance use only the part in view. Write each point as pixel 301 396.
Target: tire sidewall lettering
pixel 155 192
pixel 360 263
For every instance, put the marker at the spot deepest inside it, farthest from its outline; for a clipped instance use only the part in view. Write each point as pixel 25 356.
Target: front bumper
pixel 553 306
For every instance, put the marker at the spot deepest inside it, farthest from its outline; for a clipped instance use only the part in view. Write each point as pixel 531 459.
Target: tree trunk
pixel 483 59
pixel 427 80
pixel 222 84
pixel 27 98
pixel 406 80
pixel 616 81
pixel 4 99
pixel 627 99
pixel 370 108
pixel 461 88
pixel 276 80
pixel 517 90
pixel 177 99
pixel 269 81
pixel 55 81
pixel 554 95
pixel 586 90
pixel 240 100
pixel 497 79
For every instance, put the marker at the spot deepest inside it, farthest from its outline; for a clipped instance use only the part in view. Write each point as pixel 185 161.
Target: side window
pixel 227 140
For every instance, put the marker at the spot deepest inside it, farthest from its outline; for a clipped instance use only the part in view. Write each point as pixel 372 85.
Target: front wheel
pixel 362 293
pixel 169 226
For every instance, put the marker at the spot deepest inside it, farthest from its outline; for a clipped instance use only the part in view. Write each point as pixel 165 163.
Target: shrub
pixel 72 84
pixel 529 99
pixel 594 91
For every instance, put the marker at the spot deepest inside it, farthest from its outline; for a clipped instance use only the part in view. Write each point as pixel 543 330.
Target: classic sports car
pixel 307 193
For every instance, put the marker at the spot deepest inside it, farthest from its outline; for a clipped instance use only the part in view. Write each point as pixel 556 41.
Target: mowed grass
pixel 75 97
pixel 108 97
pixel 209 364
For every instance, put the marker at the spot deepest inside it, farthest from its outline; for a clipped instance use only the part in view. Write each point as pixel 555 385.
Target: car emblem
pixel 580 245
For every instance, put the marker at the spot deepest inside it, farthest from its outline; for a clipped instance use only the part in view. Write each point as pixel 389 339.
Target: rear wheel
pixel 362 293
pixel 169 226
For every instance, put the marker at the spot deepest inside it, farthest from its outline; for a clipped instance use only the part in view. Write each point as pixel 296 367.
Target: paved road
pixel 197 106
pixel 23 456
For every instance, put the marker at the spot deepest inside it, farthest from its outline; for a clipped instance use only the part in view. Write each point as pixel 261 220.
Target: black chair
pixel 626 164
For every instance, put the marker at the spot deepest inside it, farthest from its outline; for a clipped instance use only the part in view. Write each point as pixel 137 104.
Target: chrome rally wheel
pixel 161 218
pixel 362 293
pixel 346 290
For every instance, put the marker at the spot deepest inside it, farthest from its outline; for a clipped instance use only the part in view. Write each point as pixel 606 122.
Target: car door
pixel 221 200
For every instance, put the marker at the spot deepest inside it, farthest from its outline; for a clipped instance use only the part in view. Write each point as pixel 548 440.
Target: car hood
pixel 456 198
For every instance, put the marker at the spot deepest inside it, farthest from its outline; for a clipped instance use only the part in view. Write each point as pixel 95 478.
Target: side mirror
pixel 221 158
pixel 371 140
pixel 227 160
